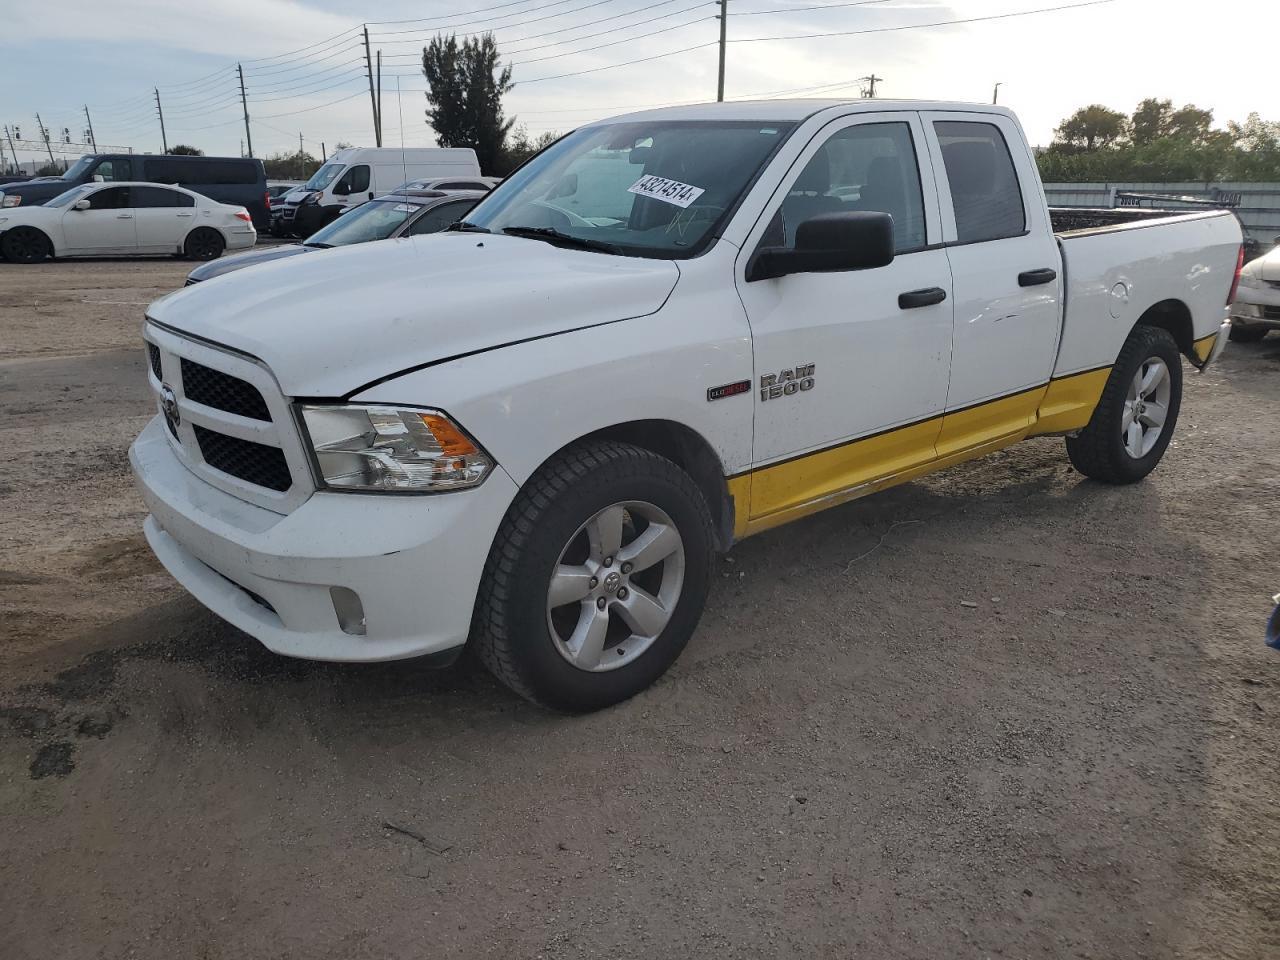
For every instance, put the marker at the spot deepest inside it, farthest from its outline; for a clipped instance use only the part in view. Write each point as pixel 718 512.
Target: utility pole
pixel 871 88
pixel 299 143
pixel 4 163
pixel 89 120
pixel 324 155
pixel 164 140
pixel 724 25
pixel 380 96
pixel 373 99
pixel 244 103
pixel 45 134
pixel 12 149
pixel 995 93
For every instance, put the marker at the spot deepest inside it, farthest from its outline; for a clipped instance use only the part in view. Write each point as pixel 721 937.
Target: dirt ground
pixel 850 760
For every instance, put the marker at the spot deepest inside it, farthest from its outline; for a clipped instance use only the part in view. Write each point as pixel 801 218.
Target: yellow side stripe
pixel 780 492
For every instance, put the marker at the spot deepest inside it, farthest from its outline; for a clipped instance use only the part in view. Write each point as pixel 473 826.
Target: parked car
pixel 449 183
pixel 399 215
pixel 531 432
pixel 352 176
pixel 278 188
pixel 1256 311
pixel 239 181
pixel 114 219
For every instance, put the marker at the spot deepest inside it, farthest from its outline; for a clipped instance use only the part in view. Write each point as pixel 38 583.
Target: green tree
pixel 50 170
pixel 1150 120
pixel 519 148
pixel 1191 124
pixel 183 150
pixel 465 86
pixel 1092 127
pixel 290 166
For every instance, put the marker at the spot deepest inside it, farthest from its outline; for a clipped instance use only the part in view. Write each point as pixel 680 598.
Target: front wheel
pixel 596 579
pixel 25 245
pixel 1131 427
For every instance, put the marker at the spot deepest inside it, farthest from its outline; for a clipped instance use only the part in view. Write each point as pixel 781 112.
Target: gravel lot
pixel 849 761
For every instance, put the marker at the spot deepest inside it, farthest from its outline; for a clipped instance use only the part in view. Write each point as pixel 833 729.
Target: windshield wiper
pixel 554 236
pixel 319 246
pixel 463 227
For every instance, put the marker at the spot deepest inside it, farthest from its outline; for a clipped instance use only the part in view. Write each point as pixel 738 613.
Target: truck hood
pixel 327 325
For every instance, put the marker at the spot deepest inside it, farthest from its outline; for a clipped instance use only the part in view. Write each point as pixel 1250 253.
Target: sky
pixel 303 61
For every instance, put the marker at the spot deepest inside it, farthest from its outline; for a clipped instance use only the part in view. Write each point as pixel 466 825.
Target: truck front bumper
pixel 343 577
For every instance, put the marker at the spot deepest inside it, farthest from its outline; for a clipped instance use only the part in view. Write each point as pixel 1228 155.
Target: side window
pixel 152 197
pixel 113 198
pixel 870 167
pixel 437 218
pixel 163 170
pixel 355 180
pixel 113 170
pixel 984 185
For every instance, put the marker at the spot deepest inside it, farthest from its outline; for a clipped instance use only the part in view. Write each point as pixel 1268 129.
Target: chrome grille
pixel 216 389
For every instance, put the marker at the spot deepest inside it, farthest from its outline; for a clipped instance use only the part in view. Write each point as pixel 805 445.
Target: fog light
pixel 350 611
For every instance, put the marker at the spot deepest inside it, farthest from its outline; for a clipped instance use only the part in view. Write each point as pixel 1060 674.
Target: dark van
pixel 235 180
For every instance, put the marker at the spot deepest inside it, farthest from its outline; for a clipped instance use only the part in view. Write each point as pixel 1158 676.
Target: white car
pixel 672 330
pixel 111 219
pixel 1257 306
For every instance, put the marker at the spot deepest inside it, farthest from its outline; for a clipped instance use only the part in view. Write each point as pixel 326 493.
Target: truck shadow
pixel 986 687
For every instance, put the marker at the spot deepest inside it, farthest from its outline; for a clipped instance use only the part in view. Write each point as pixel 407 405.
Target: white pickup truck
pixel 664 333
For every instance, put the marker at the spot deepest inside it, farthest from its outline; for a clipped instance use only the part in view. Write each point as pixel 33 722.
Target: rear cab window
pixel 985 193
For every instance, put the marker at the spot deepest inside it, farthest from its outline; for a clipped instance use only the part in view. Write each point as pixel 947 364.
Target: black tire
pixel 1249 334
pixel 1098 451
pixel 204 243
pixel 511 632
pixel 25 245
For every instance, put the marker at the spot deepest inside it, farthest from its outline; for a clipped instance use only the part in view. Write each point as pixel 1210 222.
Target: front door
pixel 1007 290
pixel 851 376
pixel 106 227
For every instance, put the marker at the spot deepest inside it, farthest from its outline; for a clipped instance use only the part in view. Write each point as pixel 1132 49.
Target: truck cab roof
pixel 799 109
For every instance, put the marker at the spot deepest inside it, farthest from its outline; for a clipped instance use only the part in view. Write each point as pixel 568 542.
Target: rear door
pixel 851 377
pixel 163 218
pixel 107 227
pixel 1005 264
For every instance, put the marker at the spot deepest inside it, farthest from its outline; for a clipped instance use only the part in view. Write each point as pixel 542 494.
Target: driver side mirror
pixel 857 240
pixel 81 205
pixel 342 188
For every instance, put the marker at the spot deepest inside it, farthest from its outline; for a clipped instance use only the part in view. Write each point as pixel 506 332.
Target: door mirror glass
pixel 856 240
pixel 98 178
pixel 342 188
pixel 81 205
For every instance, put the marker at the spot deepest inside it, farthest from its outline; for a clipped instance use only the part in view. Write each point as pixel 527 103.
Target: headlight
pixel 390 448
pixel 9 200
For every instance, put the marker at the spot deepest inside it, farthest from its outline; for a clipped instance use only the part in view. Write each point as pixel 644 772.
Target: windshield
pixel 70 196
pixel 655 189
pixel 324 176
pixel 78 169
pixel 375 220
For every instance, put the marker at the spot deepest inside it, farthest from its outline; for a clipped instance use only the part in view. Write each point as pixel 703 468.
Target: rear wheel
pixel 1247 334
pixel 1134 421
pixel 25 245
pixel 204 243
pixel 596 579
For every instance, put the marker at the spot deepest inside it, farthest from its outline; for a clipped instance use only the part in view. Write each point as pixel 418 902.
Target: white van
pixel 352 176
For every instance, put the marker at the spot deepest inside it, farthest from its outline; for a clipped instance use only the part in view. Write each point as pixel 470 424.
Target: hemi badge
pixel 729 390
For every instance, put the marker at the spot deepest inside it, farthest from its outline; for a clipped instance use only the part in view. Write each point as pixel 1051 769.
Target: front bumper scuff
pixel 414 561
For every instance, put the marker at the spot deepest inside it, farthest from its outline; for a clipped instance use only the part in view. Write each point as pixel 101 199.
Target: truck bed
pixel 1181 264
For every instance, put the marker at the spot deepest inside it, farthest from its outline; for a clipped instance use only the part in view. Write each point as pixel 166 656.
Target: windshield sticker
pixel 668 191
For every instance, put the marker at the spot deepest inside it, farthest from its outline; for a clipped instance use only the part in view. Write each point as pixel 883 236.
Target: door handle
pixel 124 216
pixel 921 298
pixel 1033 278
pixel 186 214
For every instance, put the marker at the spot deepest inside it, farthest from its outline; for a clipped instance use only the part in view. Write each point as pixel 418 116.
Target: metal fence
pixel 1258 206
